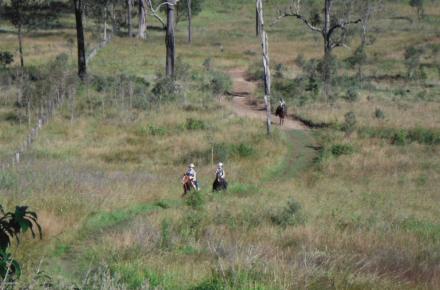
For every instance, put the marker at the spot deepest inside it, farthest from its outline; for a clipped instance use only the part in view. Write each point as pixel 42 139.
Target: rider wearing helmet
pixel 191 172
pixel 220 172
pixel 282 103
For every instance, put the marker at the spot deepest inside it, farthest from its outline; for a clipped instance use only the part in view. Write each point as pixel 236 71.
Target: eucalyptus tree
pixel 266 65
pixel 331 26
pixel 28 14
pixel 418 5
pixel 187 9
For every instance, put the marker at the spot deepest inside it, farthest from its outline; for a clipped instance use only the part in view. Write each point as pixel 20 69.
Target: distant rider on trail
pixel 191 172
pixel 220 181
pixel 281 111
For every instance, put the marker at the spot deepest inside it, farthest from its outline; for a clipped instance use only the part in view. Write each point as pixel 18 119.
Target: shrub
pixel 243 189
pixel 379 114
pixel 300 60
pixel 289 215
pixel 341 149
pixel 195 199
pixel 220 83
pixel 352 95
pixel 165 241
pixel 349 123
pixel 413 57
pixel 400 138
pixel 154 130
pixel 193 223
pixel 243 150
pixel 6 58
pixel 280 70
pixel 195 124
pixel 183 70
pixel 165 89
pixel 207 64
pixel 255 72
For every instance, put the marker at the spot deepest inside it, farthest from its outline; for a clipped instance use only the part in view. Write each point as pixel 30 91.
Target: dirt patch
pixel 242 105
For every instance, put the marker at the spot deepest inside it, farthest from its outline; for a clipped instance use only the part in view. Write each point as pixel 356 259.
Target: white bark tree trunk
pixel 266 65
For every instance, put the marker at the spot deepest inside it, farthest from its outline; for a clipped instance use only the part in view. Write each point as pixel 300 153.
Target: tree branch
pixel 154 12
pixel 342 25
pixel 291 13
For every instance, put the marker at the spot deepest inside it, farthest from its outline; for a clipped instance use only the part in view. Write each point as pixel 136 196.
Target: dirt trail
pixel 242 91
pixel 300 154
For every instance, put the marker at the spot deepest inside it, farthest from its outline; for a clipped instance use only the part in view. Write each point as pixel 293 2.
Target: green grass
pixel 105 181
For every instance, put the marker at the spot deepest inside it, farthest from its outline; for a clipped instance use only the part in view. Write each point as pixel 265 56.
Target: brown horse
pixel 188 184
pixel 281 112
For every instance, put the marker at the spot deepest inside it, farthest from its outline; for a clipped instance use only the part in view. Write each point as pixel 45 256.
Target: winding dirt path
pixel 243 92
pixel 301 151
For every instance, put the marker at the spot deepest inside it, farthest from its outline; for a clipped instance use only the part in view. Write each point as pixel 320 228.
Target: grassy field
pixel 328 208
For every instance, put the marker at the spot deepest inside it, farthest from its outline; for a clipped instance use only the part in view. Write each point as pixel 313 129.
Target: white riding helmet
pixel 191 165
pixel 220 164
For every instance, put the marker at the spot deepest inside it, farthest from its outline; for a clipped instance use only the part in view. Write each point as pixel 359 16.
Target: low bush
pixel 195 124
pixel 349 123
pixel 195 199
pixel 220 83
pixel 341 149
pixel 243 189
pixel 352 95
pixel 165 90
pixel 379 114
pixel 193 224
pixel 403 136
pixel 154 130
pixel 290 215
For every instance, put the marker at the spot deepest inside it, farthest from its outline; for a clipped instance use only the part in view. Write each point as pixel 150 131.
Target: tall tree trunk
pixel 327 49
pixel 189 22
pixel 105 23
pixel 20 42
pixel 257 23
pixel 142 20
pixel 129 14
pixel 82 69
pixel 169 39
pixel 266 65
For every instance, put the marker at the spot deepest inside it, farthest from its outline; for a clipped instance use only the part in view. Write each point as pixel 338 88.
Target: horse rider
pixel 282 103
pixel 220 172
pixel 191 172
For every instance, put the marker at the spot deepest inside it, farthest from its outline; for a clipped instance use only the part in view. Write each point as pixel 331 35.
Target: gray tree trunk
pixel 105 24
pixel 266 65
pixel 257 23
pixel 20 43
pixel 129 17
pixel 142 32
pixel 82 69
pixel 189 22
pixel 327 48
pixel 169 39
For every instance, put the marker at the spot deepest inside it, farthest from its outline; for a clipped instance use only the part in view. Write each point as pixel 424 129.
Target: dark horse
pixel 188 184
pixel 281 112
pixel 219 184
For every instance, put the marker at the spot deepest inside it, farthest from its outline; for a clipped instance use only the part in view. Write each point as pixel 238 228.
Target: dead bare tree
pixel 327 31
pixel 266 65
